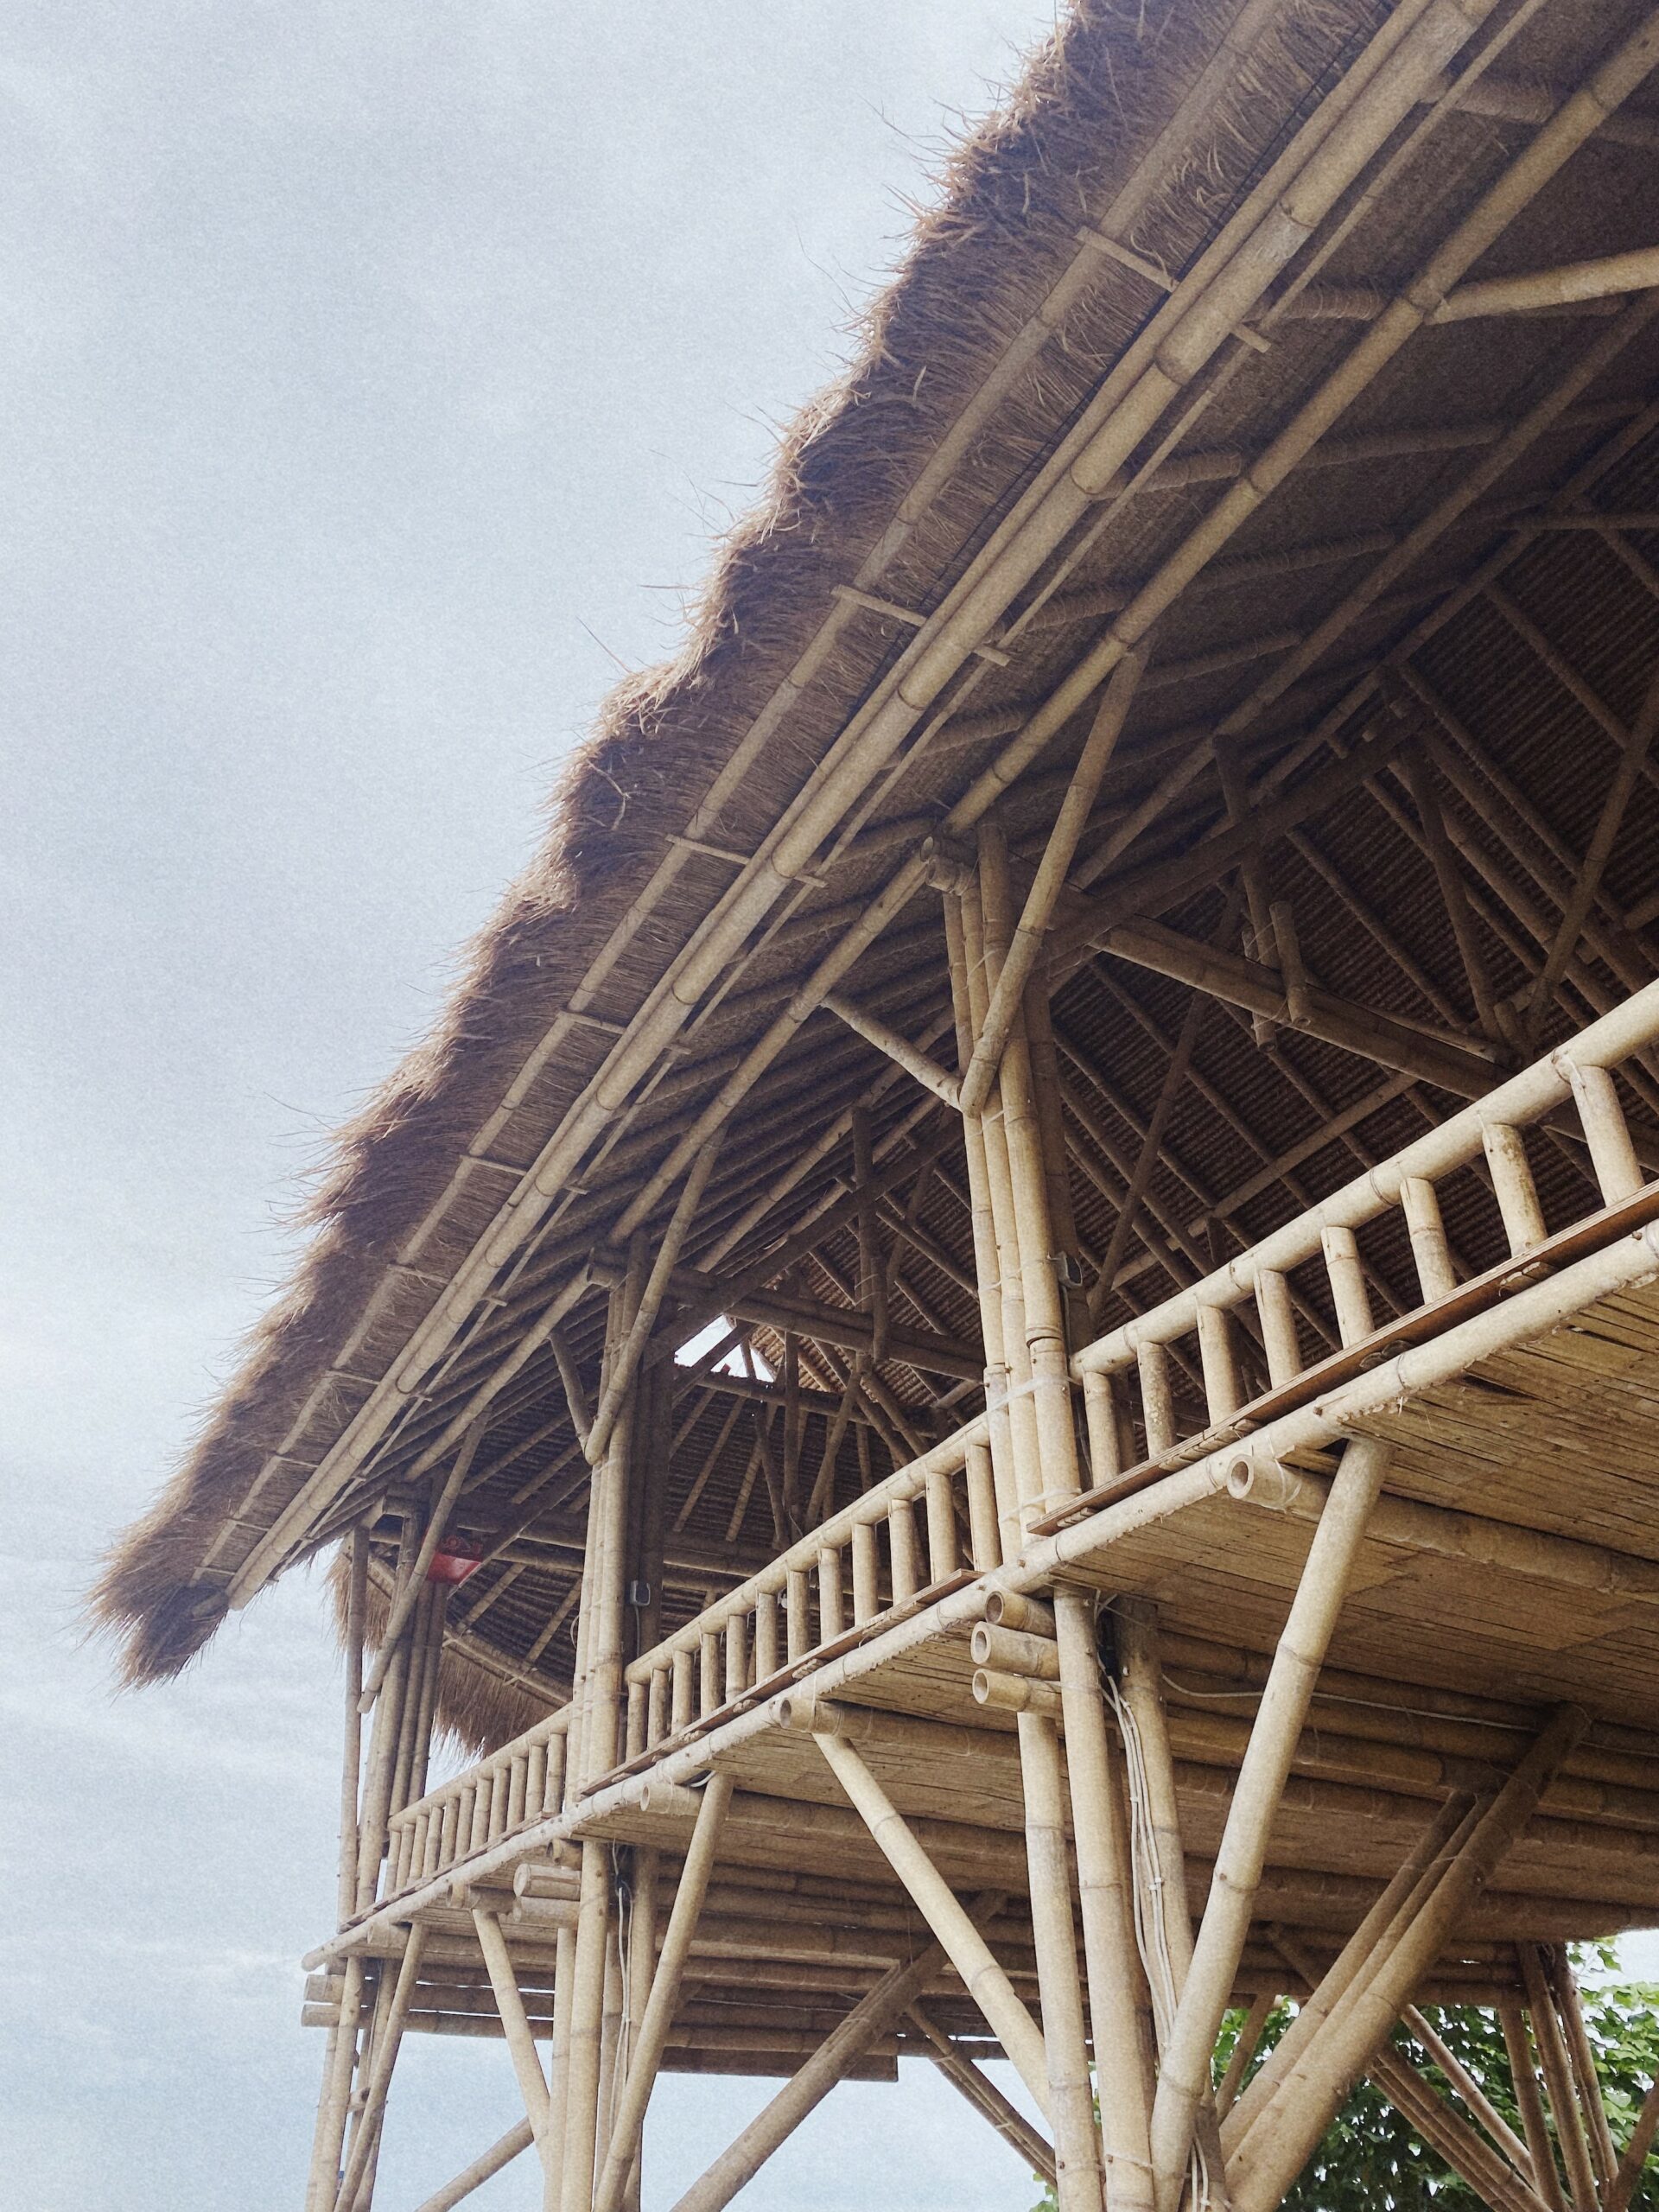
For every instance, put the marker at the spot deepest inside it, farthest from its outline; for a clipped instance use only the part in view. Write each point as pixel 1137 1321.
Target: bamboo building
pixel 1112 995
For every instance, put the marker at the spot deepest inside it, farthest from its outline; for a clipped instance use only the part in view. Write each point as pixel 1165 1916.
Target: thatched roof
pixel 1005 317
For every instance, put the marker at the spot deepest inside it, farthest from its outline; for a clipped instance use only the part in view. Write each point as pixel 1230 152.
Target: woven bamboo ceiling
pixel 1392 569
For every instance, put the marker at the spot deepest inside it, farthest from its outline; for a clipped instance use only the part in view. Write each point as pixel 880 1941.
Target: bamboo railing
pixel 932 1527
pixel 521 1783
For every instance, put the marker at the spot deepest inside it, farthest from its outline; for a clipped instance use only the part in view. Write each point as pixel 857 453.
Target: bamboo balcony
pixel 1515 1533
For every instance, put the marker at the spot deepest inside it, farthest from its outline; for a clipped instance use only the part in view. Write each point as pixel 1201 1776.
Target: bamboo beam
pixel 644 1320
pixel 1449 1063
pixel 651 2039
pixel 899 1050
pixel 1184 2078
pixel 1019 961
pixel 985 1979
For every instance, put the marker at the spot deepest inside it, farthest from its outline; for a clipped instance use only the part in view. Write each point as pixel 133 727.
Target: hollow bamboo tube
pixel 1183 2077
pixel 558 2067
pixel 1071 2101
pixel 332 2105
pixel 1014 1692
pixel 866 1569
pixel 1141 1687
pixel 1015 1651
pixel 871 2018
pixel 1420 1201
pixel 1605 1131
pixel 1557 2081
pixel 502 2152
pixel 966 1949
pixel 1569 2006
pixel 1346 1274
pixel 1523 2077
pixel 1512 1187
pixel 1278 1319
pixel 1104 1895
pixel 385 2057
pixel 1286 2127
pixel 356 1583
pixel 1054 1474
pixel 587 2014
pixel 652 2038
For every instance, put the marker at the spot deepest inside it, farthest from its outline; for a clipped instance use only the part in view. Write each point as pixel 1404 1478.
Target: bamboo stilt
pixel 1523 2076
pixel 1103 1887
pixel 387 2040
pixel 586 2009
pixel 1071 2103
pixel 332 2105
pixel 1141 1687
pixel 1184 2077
pixel 651 2039
pixel 1559 2085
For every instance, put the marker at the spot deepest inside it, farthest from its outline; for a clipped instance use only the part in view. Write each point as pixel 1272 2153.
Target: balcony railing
pixel 932 1526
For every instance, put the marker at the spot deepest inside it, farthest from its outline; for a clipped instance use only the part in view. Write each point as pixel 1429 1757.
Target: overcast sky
pixel 377 376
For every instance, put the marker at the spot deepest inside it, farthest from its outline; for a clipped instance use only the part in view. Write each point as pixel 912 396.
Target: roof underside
pixel 1422 583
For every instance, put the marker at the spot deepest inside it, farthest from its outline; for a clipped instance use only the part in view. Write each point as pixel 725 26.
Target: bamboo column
pixel 386 2046
pixel 1557 2081
pixel 1523 2074
pixel 356 1585
pixel 381 1763
pixel 1071 2101
pixel 651 2039
pixel 579 2150
pixel 1115 1982
pixel 1184 2077
pixel 333 2103
pixel 1141 1665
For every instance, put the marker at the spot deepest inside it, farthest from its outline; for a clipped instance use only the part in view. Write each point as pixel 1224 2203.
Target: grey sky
pixel 375 373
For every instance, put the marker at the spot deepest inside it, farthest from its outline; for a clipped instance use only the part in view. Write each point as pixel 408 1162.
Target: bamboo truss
pixel 1159 1122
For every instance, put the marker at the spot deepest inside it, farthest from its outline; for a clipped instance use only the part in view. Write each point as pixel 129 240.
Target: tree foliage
pixel 1370 2159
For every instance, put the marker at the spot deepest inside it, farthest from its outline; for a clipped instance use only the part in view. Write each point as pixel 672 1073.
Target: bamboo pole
pixel 1184 2077
pixel 643 1317
pixel 1251 2031
pixel 1557 2070
pixel 1528 2098
pixel 579 2150
pixel 357 1586
pixel 985 1979
pixel 1141 1687
pixel 1449 2137
pixel 403 1603
pixel 652 2033
pixel 386 2044
pixel 380 1767
pixel 515 2022
pixel 1580 2051
pixel 1287 2126
pixel 339 2065
pixel 871 2018
pixel 1071 2101
pixel 501 2154
pixel 987 2100
pixel 1103 1892
pixel 897 1049
pixel 1463 2083
pixel 1065 834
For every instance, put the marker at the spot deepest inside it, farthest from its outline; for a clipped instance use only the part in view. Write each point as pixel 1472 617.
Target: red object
pixel 454 1562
